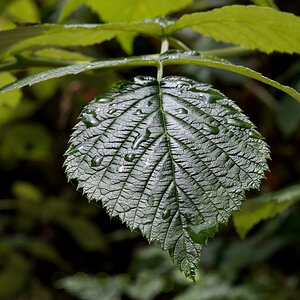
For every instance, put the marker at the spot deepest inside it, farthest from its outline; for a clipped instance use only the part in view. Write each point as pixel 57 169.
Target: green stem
pixel 178 44
pixel 164 48
pixel 228 52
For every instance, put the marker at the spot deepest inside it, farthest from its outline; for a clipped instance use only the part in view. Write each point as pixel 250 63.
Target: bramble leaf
pixel 255 27
pixel 172 158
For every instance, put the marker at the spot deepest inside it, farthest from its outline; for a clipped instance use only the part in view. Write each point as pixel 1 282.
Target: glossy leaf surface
pixel 171 158
pixel 255 27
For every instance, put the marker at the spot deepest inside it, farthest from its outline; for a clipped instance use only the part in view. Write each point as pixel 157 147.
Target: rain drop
pixel 138 112
pixel 239 123
pixel 150 200
pixel 181 110
pixel 90 119
pixel 96 161
pixel 129 157
pixel 140 138
pixel 166 214
pixel 73 149
pixel 231 110
pixel 255 135
pixel 149 103
pixel 112 110
pixel 211 129
pixel 103 100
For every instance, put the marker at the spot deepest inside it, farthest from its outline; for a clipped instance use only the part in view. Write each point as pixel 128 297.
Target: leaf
pixel 178 57
pixel 270 3
pixel 78 68
pixel 9 101
pixel 50 35
pixel 133 10
pixel 87 287
pixel 171 158
pixel 168 58
pixel 255 27
pixel 264 207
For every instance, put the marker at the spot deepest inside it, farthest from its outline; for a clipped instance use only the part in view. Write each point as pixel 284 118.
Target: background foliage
pixel 55 245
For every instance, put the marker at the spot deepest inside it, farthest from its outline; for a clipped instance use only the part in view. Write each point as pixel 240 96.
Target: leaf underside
pixel 171 158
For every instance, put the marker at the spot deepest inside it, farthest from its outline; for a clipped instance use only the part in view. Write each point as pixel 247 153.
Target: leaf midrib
pixel 164 123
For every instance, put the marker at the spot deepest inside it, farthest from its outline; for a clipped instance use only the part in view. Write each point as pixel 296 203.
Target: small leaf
pixel 255 27
pixel 171 158
pixel 264 207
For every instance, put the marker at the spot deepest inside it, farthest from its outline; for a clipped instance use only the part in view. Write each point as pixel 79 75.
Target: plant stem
pixel 228 52
pixel 164 48
pixel 178 44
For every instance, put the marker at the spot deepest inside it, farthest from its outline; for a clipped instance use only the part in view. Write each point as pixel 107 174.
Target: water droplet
pixel 181 110
pixel 138 112
pixel 230 109
pixel 254 134
pixel 103 100
pixel 149 103
pixel 211 129
pixel 90 119
pixel 239 123
pixel 195 53
pixel 129 157
pixel 211 98
pixel 140 138
pixel 73 149
pixel 112 110
pixel 150 200
pixel 96 161
pixel 121 168
pixel 166 214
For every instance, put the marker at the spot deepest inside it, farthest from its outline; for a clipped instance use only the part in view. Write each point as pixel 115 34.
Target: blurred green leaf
pixel 10 100
pixel 133 10
pixel 87 287
pixel 26 141
pixel 14 276
pixel 288 116
pixel 84 232
pixel 270 3
pixel 26 190
pixel 264 207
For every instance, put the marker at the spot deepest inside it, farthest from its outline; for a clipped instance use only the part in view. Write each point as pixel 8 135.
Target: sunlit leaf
pixel 255 27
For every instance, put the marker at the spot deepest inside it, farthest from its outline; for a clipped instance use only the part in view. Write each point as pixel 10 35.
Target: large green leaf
pixel 49 35
pixel 264 207
pixel 126 11
pixel 255 27
pixel 168 58
pixel 171 158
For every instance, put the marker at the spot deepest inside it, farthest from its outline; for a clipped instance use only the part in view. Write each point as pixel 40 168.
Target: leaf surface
pixel 255 27
pixel 264 207
pixel 171 158
pixel 49 35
